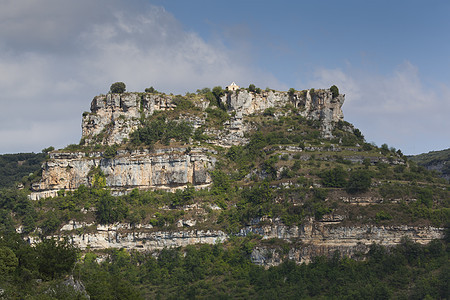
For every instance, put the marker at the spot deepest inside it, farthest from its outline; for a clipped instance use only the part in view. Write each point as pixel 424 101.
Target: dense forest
pixel 56 270
pixel 14 167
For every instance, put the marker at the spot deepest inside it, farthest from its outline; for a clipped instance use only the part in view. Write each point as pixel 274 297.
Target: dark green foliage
pixel 110 151
pixel 151 90
pixel 117 88
pixel 381 215
pixel 218 92
pixel 334 90
pixel 55 258
pixel 183 197
pixel 21 166
pixel 216 116
pixel 252 88
pixel 258 194
pixel 291 92
pixel 183 104
pixel 336 177
pixel 199 135
pixel 49 149
pixel 160 130
pixel 110 209
pixel 358 134
pixel 224 271
pixel 270 111
pixel 359 181
pixel 221 182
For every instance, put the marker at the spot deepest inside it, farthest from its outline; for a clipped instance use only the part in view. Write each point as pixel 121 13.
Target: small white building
pixel 233 87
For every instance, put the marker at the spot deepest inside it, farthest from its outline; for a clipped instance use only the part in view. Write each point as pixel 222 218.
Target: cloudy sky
pixel 390 58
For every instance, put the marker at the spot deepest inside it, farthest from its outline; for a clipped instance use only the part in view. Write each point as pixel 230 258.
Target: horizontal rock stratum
pixel 114 116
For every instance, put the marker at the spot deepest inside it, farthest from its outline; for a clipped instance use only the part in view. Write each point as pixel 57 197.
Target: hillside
pixel 219 185
pixel 438 161
pixel 14 167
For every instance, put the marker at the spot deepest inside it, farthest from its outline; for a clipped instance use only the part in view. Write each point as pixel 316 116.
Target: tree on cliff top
pixel 334 90
pixel 117 87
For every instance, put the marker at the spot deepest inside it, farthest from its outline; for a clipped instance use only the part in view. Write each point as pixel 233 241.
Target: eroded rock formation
pixel 169 169
pixel 304 242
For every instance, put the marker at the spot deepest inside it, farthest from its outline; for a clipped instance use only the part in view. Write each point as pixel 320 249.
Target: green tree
pixel 55 258
pixel 334 90
pixel 151 90
pixel 359 181
pixel 336 177
pixel 49 149
pixel 252 88
pixel 8 262
pixel 117 88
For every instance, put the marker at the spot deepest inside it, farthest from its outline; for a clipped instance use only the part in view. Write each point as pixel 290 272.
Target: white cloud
pixel 55 56
pixel 394 108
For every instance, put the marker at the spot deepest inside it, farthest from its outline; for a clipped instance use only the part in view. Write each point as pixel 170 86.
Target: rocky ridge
pixel 114 116
pixel 168 169
pixel 304 241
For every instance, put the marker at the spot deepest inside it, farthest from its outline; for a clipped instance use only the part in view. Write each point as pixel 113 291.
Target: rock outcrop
pixel 312 104
pixel 169 169
pixel 303 242
pixel 114 116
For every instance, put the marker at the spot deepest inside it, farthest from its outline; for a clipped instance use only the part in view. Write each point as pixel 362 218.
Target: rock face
pixel 313 104
pixel 304 242
pixel 170 169
pixel 114 116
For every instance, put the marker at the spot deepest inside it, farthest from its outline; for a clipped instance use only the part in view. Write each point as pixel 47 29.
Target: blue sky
pixel 390 58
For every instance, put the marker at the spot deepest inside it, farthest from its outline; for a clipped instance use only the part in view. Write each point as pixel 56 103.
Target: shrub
pixel 117 88
pixel 291 92
pixel 110 151
pixel 359 181
pixel 252 88
pixel 334 90
pixel 270 111
pixel 334 178
pixel 151 90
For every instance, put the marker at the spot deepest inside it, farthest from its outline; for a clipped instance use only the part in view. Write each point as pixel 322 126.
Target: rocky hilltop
pixel 113 117
pixel 283 168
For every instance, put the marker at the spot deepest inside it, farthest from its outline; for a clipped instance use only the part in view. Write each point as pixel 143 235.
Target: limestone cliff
pixel 168 168
pixel 304 242
pixel 114 116
pixel 313 104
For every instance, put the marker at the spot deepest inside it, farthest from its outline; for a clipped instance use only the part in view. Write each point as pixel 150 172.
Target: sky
pixel 391 59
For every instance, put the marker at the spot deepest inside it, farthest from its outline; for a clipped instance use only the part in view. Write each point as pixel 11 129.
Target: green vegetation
pixel 117 88
pixel 334 90
pixel 161 130
pixel 20 168
pixel 286 171
pixel 151 90
pixel 435 160
pixel 407 271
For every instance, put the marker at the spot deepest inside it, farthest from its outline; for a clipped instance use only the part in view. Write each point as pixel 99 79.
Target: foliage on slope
pixel 14 167
pixel 407 271
pixel 435 160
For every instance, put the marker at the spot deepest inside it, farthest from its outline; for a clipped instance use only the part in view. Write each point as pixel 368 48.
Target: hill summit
pixel 282 169
pixel 120 122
